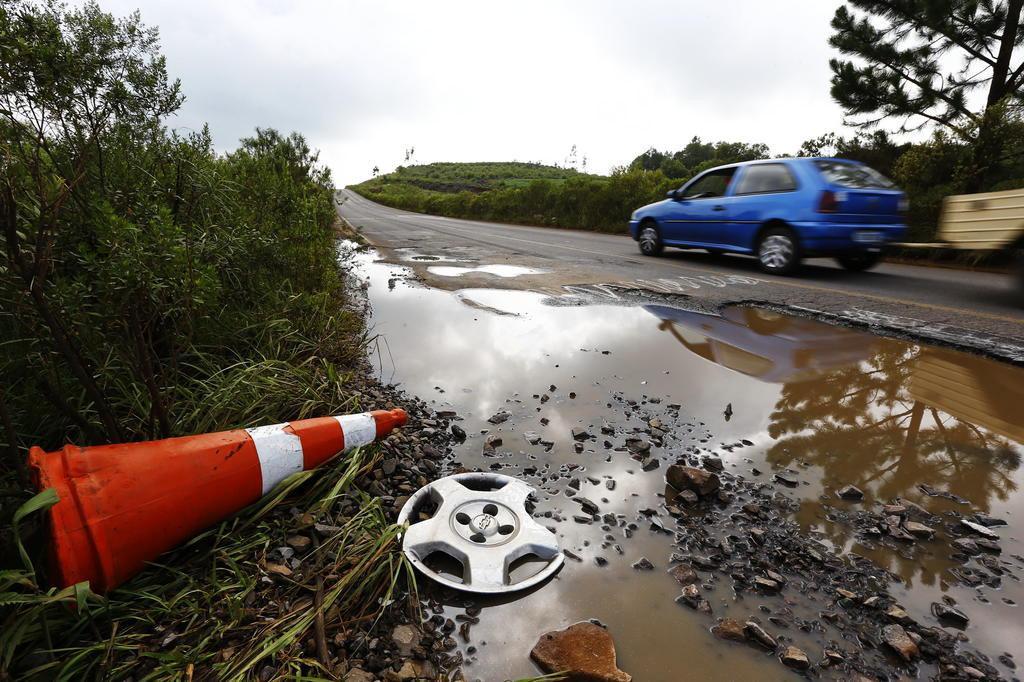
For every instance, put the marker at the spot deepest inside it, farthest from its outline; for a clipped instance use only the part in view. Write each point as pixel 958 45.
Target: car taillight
pixel 829 203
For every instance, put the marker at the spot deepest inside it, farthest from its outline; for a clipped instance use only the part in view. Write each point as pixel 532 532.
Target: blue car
pixel 780 211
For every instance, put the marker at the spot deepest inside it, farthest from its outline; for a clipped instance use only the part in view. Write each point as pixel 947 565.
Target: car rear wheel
pixel 860 260
pixel 650 240
pixel 778 252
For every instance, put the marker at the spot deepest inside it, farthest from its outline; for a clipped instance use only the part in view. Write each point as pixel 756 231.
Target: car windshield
pixel 852 175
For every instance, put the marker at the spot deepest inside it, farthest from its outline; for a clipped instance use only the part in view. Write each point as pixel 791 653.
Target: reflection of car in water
pixel 763 344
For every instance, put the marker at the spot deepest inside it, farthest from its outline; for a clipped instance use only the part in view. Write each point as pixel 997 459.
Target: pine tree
pixel 918 62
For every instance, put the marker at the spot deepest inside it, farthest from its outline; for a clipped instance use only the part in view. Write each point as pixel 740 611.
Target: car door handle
pixel 718 208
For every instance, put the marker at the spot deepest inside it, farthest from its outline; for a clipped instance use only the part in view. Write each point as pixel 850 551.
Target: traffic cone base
pixel 124 505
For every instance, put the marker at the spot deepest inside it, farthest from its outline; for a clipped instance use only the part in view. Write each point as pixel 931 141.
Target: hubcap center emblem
pixel 485 524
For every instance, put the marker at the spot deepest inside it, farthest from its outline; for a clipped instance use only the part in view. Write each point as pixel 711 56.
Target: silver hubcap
pixel 776 251
pixel 485 530
pixel 648 239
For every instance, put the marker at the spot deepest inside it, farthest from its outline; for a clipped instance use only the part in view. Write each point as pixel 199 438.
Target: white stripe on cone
pixel 280 452
pixel 359 429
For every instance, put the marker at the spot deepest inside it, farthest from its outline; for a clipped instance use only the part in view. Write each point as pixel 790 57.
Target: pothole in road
pixel 411 254
pixel 787 413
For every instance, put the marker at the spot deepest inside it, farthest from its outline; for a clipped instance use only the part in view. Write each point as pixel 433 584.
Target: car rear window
pixel 766 177
pixel 852 175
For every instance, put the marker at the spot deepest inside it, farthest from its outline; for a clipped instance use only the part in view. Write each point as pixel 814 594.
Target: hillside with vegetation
pixel 512 192
pixel 474 176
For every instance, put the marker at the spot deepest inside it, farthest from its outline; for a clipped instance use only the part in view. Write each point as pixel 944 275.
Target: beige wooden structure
pixel 985 222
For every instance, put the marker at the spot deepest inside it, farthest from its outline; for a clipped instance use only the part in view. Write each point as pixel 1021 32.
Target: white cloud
pixel 523 80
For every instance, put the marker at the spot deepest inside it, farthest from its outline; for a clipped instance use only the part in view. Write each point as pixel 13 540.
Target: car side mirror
pixel 672 194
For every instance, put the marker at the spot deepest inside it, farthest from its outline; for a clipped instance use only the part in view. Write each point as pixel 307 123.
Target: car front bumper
pixel 634 229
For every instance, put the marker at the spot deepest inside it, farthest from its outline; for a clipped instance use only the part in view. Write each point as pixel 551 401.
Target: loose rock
pixel 897 638
pixel 580 434
pixel 683 574
pixel 980 529
pixel 691 478
pixel 729 629
pixel 950 615
pixel 851 492
pixel 759 634
pixel 919 529
pixel 713 463
pixel 406 638
pixel 787 479
pixel 795 658
pixel 585 650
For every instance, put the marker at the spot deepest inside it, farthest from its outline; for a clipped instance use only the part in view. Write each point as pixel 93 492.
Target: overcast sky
pixel 488 81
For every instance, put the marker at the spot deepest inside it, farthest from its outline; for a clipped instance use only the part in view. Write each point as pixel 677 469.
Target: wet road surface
pixel 794 409
pixel 974 310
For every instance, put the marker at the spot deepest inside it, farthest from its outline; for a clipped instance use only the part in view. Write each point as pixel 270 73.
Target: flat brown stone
pixel 583 650
pixel 729 629
pixel 691 478
pixel 897 638
pixel 795 658
pixel 683 574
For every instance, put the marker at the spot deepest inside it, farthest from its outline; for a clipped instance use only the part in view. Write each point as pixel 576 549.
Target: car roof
pixel 783 159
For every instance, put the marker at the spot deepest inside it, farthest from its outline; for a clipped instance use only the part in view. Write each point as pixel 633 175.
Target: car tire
pixel 778 251
pixel 649 239
pixel 859 261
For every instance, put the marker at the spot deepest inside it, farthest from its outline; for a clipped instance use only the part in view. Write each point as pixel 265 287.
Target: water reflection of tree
pixel 860 425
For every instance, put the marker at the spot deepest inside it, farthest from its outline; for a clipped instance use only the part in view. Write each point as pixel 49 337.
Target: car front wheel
pixel 650 240
pixel 778 252
pixel 860 261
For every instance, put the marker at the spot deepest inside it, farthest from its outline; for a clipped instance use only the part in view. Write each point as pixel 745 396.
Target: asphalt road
pixel 979 311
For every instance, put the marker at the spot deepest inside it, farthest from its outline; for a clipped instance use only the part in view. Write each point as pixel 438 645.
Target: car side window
pixel 711 184
pixel 764 178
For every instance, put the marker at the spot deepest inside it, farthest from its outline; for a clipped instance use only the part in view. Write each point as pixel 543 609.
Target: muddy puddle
pixel 792 410
pixel 498 270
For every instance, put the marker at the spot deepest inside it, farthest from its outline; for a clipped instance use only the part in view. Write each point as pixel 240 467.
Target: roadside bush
pixel 929 172
pixel 152 287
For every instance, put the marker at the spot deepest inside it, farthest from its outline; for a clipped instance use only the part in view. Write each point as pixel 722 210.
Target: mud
pixel 792 411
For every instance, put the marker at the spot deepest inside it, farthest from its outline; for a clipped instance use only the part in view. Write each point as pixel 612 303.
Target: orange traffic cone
pixel 124 505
